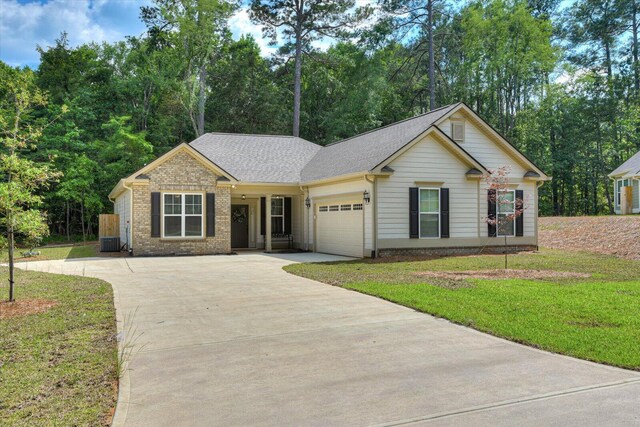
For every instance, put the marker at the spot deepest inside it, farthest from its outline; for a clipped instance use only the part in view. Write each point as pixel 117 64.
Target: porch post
pixel 267 228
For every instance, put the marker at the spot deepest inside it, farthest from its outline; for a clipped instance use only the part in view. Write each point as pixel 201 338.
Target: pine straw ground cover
pixel 593 314
pixel 615 235
pixel 58 354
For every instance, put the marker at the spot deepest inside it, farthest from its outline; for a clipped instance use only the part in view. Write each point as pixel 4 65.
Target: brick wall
pixel 180 173
pixel 469 250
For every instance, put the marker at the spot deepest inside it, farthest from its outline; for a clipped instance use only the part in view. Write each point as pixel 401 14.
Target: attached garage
pixel 339 228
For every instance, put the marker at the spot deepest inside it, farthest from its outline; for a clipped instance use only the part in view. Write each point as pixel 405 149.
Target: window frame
pixel 183 214
pixel 282 215
pixel 464 130
pixel 513 211
pixel 420 213
pixel 619 185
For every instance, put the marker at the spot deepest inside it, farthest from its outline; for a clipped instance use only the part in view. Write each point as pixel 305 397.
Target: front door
pixel 239 226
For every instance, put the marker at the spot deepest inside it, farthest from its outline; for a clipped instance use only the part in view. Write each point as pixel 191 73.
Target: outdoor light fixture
pixel 366 197
pixel 307 202
pixel 244 197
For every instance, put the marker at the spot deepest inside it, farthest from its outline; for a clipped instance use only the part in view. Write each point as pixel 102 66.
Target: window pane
pixel 429 201
pixel 277 227
pixel 505 225
pixel 172 204
pixel 277 206
pixel 193 204
pixel 193 226
pixel 172 226
pixel 506 202
pixel 429 226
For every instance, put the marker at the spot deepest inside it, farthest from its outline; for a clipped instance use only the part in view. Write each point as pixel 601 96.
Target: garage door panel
pixel 340 228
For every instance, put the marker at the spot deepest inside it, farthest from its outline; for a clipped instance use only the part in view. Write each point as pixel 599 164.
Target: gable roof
pixel 630 168
pixel 258 158
pixel 366 151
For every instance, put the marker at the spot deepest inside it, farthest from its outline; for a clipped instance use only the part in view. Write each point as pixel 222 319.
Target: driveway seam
pixel 512 402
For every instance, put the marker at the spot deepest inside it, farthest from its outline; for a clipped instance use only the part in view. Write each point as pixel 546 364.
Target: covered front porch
pixel 269 218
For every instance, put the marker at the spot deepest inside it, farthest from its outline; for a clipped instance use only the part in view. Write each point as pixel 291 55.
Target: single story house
pixel 412 187
pixel 626 186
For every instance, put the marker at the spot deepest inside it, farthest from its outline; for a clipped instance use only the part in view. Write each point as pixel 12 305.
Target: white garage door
pixel 339 228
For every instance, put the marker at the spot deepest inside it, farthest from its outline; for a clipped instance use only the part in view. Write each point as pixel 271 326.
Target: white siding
pixel 122 207
pixel 427 161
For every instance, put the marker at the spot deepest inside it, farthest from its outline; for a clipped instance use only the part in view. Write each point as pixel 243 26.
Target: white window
pixel 506 207
pixel 457 131
pixel 323 208
pixel 357 206
pixel 182 215
pixel 277 215
pixel 345 207
pixel 429 212
pixel 619 184
pixel 334 208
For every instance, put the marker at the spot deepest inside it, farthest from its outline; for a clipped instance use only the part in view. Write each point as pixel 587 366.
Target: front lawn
pixel 595 318
pixel 58 365
pixel 80 250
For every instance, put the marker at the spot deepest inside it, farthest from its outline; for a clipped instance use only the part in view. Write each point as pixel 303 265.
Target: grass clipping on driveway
pixel 593 315
pixel 58 363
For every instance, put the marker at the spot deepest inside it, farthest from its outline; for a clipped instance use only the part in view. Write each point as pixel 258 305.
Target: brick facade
pixel 182 172
pixel 470 250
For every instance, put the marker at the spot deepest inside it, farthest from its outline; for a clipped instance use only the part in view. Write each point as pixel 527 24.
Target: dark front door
pixel 239 226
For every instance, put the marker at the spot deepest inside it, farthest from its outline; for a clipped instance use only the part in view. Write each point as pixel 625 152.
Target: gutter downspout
pixel 375 214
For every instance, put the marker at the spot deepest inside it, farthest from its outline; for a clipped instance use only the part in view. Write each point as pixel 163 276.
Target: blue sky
pixel 24 24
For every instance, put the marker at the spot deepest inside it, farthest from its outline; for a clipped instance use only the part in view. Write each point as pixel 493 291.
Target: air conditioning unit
pixel 110 244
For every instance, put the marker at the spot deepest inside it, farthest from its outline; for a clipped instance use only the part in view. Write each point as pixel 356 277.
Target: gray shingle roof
pixel 287 159
pixel 257 158
pixel 631 166
pixel 366 151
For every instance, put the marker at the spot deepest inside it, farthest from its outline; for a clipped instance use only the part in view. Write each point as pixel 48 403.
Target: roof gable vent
pixel 457 131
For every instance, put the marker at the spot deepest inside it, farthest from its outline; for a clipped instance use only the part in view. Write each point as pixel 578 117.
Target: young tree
pixel 301 22
pixel 22 178
pixel 508 207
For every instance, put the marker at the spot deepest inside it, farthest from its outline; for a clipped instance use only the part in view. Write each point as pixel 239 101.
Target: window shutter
pixel 287 215
pixel 263 216
pixel 211 214
pixel 155 214
pixel 520 219
pixel 444 212
pixel 491 197
pixel 414 213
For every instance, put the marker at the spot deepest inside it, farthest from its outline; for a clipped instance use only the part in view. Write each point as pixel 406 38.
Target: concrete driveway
pixel 234 340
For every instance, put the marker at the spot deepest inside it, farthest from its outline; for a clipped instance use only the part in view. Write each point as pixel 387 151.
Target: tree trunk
pixel 202 97
pixel 636 65
pixel 432 82
pixel 10 238
pixel 84 236
pixel 298 75
pixel 68 234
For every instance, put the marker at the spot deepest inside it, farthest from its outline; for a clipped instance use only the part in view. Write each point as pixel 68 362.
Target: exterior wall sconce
pixel 366 197
pixel 244 197
pixel 307 202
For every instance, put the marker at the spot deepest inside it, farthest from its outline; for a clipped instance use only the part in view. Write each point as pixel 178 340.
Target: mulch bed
pixel 24 307
pixel 503 274
pixel 612 235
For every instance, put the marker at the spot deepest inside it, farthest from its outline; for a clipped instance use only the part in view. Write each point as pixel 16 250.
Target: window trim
pixel 183 214
pixel 513 223
pixel 619 185
pixel 430 213
pixel 464 130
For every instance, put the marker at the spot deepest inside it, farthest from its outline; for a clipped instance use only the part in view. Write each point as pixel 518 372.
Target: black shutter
pixel 414 213
pixel 155 214
pixel 520 218
pixel 211 214
pixel 263 216
pixel 491 215
pixel 444 212
pixel 287 215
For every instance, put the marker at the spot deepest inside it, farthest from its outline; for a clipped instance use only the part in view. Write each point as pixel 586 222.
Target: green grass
pixel 596 318
pixel 58 367
pixel 55 252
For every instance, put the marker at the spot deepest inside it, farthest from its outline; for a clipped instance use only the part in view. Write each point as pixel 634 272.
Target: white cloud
pixel 241 24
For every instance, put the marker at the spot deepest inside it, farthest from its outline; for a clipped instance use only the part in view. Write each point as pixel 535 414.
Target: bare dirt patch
pixel 611 235
pixel 24 307
pixel 503 274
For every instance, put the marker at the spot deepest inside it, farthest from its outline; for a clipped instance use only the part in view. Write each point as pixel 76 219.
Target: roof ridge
pixel 391 124
pixel 253 134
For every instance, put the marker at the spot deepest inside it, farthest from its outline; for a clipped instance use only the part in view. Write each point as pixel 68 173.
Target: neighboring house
pixel 626 186
pixel 411 187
